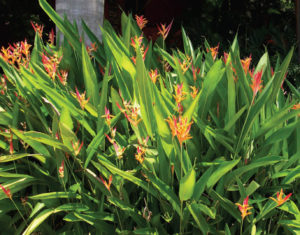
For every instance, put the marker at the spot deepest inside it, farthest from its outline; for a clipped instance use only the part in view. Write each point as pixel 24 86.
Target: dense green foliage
pixel 126 137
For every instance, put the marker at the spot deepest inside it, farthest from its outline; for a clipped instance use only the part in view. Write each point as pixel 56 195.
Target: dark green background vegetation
pixel 260 24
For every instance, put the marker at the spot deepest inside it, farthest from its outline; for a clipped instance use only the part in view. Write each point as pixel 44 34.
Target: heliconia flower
pixel 131 112
pixel 139 156
pixel 107 184
pixel 143 52
pixel 180 95
pixel 180 128
pixel 246 64
pixel 279 199
pixel 256 83
pixel 91 48
pixel 77 147
pixel 136 41
pixel 194 91
pixel 107 116
pixel 244 208
pixel 11 147
pixel 81 98
pixel 25 48
pixel 6 191
pixel 153 75
pixel 113 132
pixel 195 72
pixel 61 169
pixel 141 21
pixel 51 37
pixel 225 57
pixel 119 150
pixel 185 64
pixel 51 64
pixel 296 106
pixel 111 140
pixel 163 30
pixel 37 28
pixel 214 51
pixel 62 76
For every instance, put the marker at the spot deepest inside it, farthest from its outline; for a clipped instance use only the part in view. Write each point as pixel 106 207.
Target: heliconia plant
pixel 128 136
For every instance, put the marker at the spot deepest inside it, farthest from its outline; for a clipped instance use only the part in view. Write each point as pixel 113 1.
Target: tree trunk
pixel 91 11
pixel 298 26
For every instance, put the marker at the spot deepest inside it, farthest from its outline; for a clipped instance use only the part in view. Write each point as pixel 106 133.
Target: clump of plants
pixel 127 137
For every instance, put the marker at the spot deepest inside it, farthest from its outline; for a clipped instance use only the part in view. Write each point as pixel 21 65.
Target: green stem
pixel 19 211
pixel 181 202
pixel 238 143
pixel 117 213
pixel 241 229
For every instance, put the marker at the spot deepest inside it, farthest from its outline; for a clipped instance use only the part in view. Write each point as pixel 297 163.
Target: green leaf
pixel 187 185
pixel 65 29
pixel 17 185
pixel 54 195
pixel 210 83
pixel 13 157
pixel 90 77
pixel 226 204
pixel 221 170
pixel 201 183
pixel 199 219
pixel 40 218
pixel 144 93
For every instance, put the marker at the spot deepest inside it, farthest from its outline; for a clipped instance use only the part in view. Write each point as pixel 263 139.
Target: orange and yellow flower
pixel 163 30
pixel 194 91
pixel 153 75
pixel 76 147
pixel 81 98
pixel 180 128
pixel 296 106
pixel 279 199
pixel 214 51
pixel 256 83
pixel 107 184
pixel 141 21
pixel 107 116
pixel 244 208
pixel 180 95
pixel 246 63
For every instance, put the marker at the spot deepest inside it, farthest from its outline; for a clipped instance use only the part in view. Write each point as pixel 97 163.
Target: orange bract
pixel 141 21
pixel 163 30
pixel 244 208
pixel 256 83
pixel 180 128
pixel 246 63
pixel 279 199
pixel 180 95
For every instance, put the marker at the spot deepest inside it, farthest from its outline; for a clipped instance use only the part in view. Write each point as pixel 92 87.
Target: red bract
pixel 256 83
pixel 77 147
pixel 37 28
pixel 81 98
pixel 246 63
pixel 279 199
pixel 141 21
pixel 244 208
pixel 107 184
pixel 163 30
pixel 7 192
